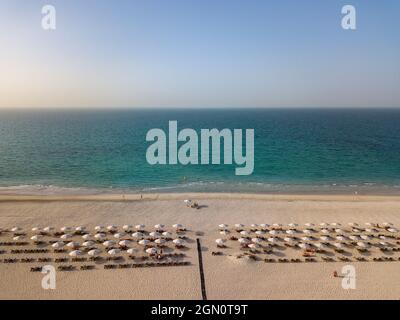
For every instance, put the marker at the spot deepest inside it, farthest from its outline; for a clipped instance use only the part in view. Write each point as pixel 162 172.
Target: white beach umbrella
pixel 362 245
pixel 17 238
pixel 273 232
pixel 239 225
pixel 58 245
pixel 382 237
pixel 87 236
pixel 130 251
pixel 369 224
pixel 304 246
pixel 140 227
pixel 325 238
pixel 339 231
pixel 368 230
pixel 292 225
pixel 323 224
pixel 48 229
pixel 353 224
pixel 392 230
pixel 36 229
pixel 288 239
pixel 16 229
pixel 244 233
pixel 94 252
pixel 144 242
pixel 75 253
pixel 290 231
pixel 169 234
pixel 308 231
pixel 272 240
pixel 80 228
pixel 224 232
pixel 306 239
pixel 88 243
pixel 178 242
pixel 99 236
pixel 108 243
pixel 253 246
pixel 159 226
pixel 177 226
pixel 264 225
pixel 353 237
pixel 125 243
pixel 66 236
pixel 325 231
pixel 356 230
pixel 365 237
pixel 220 241
pixel 260 232
pixel 254 225
pixel 127 227
pixel 340 238
pixel 223 226
pixel 243 240
pixel 114 252
pixel 99 228
pixel 73 244
pixel 160 241
pixel 387 224
pixel 335 224
pixel 383 243
pixel 277 225
pixel 320 245
pixel 36 237
pixel 112 228
pixel 256 240
pixel 155 234
pixel 338 245
pixel 309 224
pixel 66 229
pixel 119 235
pixel 151 251
pixel 137 235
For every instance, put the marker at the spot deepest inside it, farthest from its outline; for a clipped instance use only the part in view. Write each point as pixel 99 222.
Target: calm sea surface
pixel 304 150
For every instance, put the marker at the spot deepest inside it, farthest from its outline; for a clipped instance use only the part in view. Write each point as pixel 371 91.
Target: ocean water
pixel 296 150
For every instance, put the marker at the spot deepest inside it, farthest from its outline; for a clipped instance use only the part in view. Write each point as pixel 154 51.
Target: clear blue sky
pixel 199 53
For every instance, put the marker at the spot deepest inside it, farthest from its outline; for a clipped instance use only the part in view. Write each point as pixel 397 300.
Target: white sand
pixel 226 278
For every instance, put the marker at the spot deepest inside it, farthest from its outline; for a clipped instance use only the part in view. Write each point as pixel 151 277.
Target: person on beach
pixel 335 274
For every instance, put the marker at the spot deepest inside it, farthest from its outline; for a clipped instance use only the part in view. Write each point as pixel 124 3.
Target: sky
pixel 199 53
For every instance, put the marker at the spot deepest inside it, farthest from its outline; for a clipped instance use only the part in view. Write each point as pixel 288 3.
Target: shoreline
pixel 122 197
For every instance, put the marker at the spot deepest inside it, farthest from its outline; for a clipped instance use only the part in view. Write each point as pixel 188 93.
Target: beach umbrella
pixel 159 226
pixel 124 243
pixel 320 245
pixel 178 242
pixel 368 230
pixel 325 238
pixel 356 230
pixel 323 224
pixel 304 246
pixel 272 240
pixel 239 225
pixel 119 235
pixel 66 236
pixel 352 237
pixel 17 238
pixel 223 226
pixel 387 224
pixel 108 243
pixel 86 237
pixel 75 253
pixel 169 234
pixel 243 240
pixel 292 225
pixel 48 229
pixel 256 240
pixel 362 244
pixel 325 231
pixel 144 242
pixel 308 231
pixel 288 239
pixel 264 225
pixel 383 243
pixel 254 225
pixel 154 234
pixel 290 231
pixel 353 224
pixel 277 225
pixel 220 241
pixel 340 238
pixel 80 228
pixel 100 236
pixel 66 229
pixel 306 239
pixel 159 241
pixel 140 227
pixel 151 251
pixel 382 237
pixel 16 229
pixel 177 226
pixel 335 224
pixel 130 251
pixel 253 246
pixel 244 233
pixel 73 244
pixel 36 229
pixel 338 230
pixel 99 228
pixel 260 232
pixel 36 237
pixel 224 232
pixel 127 227
pixel 137 235
pixel 113 252
pixel 392 230
pixel 338 245
pixel 369 224
pixel 88 243
pixel 273 232
pixel 112 228
pixel 58 245
pixel 364 237
pixel 309 224
pixel 94 252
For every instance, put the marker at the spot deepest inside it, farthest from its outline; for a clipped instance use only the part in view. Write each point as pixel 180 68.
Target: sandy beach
pixel 226 277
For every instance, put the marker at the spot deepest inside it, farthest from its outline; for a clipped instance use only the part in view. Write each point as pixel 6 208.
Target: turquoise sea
pixel 296 150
